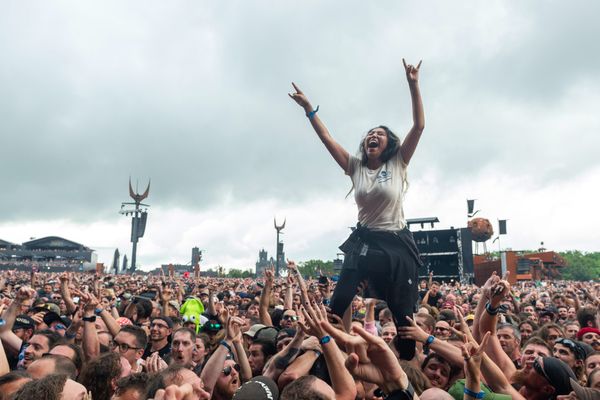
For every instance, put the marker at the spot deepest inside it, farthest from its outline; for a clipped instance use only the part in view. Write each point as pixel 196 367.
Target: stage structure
pixel 447 253
pixel 139 216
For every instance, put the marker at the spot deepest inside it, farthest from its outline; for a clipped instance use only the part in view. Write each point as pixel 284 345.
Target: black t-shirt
pixel 164 353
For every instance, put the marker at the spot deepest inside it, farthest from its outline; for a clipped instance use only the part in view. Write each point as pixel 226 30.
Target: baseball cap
pixel 556 372
pixel 268 334
pixel 584 393
pixel 51 317
pixel 258 388
pixel 253 329
pixel 23 322
pixel 50 307
pixel 174 304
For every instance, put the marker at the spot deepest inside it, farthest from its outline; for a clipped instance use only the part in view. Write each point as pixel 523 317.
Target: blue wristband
pixel 429 340
pixel 226 345
pixel 474 394
pixel 325 339
pixel 311 114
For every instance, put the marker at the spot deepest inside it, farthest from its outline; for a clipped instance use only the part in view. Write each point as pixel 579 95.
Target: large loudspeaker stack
pixel 446 252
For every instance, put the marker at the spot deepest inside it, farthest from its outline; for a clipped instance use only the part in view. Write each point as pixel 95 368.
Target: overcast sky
pixel 193 95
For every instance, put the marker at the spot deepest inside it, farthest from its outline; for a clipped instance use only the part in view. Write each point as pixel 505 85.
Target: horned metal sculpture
pixel 279 247
pixel 139 213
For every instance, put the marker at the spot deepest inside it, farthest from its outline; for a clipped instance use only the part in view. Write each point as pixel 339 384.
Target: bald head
pixel 435 394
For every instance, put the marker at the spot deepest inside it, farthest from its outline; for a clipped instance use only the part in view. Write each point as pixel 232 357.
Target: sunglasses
pixel 538 368
pixel 288 317
pixel 567 342
pixel 227 370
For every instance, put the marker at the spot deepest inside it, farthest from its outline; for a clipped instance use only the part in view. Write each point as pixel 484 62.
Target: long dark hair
pixel 393 145
pixel 98 375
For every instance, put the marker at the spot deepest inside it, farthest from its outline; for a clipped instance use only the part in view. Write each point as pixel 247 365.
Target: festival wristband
pixel 490 310
pixel 312 114
pixel 473 394
pixel 325 339
pixel 226 345
pixel 429 340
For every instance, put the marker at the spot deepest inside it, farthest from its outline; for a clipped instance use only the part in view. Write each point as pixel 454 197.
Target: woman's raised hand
pixel 299 97
pixel 412 72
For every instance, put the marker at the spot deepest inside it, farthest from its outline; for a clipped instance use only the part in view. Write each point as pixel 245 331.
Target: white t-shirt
pixel 379 193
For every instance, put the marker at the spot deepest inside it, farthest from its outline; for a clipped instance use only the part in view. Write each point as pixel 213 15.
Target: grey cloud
pixel 194 96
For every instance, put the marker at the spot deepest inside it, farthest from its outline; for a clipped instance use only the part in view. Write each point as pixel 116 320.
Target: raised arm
pixel 339 154
pixel 289 294
pixel 299 367
pixel 414 134
pixel 214 365
pixel 369 322
pixel 342 382
pixel 293 268
pixel 90 343
pixel 443 348
pixel 280 361
pixel 265 296
pixel 65 279
pixel 489 320
pixel 11 341
pixel 235 334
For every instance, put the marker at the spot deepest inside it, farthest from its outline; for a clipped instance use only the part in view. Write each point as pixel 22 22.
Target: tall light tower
pixel 279 247
pixel 139 215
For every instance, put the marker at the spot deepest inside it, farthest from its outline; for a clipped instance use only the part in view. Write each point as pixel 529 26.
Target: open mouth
pixel 372 143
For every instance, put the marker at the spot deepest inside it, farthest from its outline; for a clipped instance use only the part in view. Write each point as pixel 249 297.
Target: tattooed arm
pixel 280 361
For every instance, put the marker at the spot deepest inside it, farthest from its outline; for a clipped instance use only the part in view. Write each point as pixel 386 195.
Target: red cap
pixel 583 331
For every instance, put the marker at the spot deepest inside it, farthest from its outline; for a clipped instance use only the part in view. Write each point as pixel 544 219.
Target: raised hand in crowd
pixel 380 366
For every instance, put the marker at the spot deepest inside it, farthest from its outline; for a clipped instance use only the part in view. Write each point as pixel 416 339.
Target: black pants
pixel 396 285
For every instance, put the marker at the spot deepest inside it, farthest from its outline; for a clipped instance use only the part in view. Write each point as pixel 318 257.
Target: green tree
pixel 581 266
pixel 248 274
pixel 313 267
pixel 234 273
pixel 238 273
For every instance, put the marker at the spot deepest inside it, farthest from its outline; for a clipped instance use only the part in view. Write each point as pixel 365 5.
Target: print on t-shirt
pixel 384 176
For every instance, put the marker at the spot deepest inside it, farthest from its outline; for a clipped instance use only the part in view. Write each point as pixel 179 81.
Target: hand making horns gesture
pixel 299 97
pixel 412 72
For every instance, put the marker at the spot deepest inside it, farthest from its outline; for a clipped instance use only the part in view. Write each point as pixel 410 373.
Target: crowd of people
pixel 91 336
